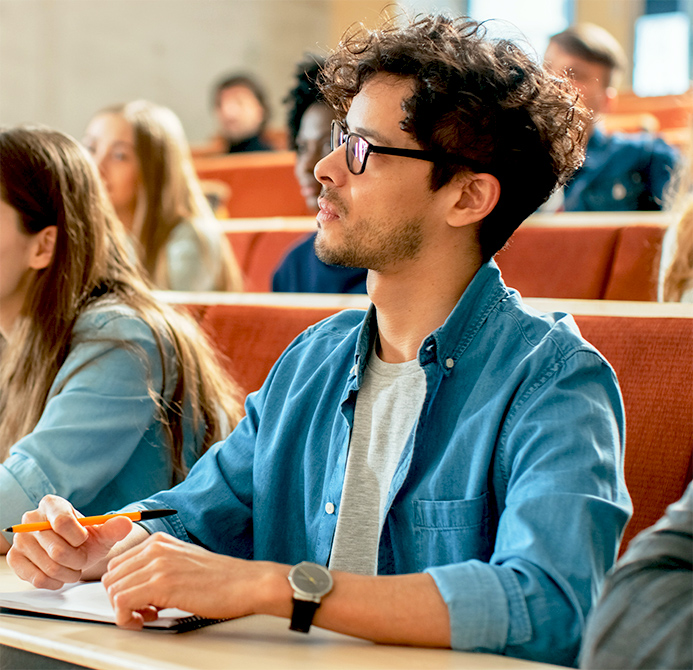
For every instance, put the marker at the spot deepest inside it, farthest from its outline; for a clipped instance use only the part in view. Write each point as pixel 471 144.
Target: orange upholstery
pixel 635 268
pixel 261 183
pixel 252 337
pixel 653 360
pixel 672 111
pixel 613 261
pixel 651 354
pixel 259 253
pixel 560 261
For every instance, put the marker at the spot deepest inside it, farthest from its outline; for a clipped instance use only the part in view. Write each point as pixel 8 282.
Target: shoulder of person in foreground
pixel 644 617
pixel 99 414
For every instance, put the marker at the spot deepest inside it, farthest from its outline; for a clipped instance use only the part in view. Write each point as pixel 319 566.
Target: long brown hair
pixel 50 180
pixel 171 191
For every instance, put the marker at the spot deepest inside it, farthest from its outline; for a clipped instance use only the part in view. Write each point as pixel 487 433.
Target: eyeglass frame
pixel 337 130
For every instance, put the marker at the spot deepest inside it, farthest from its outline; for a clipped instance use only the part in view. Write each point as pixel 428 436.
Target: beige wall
pixel 618 17
pixel 61 60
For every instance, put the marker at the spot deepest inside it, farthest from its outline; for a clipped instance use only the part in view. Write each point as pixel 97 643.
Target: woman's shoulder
pixel 113 319
pixel 190 230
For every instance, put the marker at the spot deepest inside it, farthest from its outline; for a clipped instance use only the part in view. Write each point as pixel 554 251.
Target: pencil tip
pixel 7 530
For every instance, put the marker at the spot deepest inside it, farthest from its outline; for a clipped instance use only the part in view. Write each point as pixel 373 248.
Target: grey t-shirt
pixel 387 406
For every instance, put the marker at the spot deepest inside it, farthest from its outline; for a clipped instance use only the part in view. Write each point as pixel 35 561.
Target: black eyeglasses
pixel 358 149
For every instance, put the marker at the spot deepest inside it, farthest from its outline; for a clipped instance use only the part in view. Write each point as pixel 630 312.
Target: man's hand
pixel 165 572
pixel 51 558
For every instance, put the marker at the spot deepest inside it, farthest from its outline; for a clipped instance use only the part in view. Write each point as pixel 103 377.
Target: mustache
pixel 331 197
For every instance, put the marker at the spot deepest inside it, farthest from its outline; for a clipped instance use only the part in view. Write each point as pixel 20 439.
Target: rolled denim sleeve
pixel 565 509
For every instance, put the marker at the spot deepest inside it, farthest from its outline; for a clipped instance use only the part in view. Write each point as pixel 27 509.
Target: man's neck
pixel 416 300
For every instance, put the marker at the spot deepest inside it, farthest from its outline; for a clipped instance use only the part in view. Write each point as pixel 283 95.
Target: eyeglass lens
pixel 356 149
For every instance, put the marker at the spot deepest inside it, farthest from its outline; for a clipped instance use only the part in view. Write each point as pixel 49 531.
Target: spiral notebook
pixel 88 601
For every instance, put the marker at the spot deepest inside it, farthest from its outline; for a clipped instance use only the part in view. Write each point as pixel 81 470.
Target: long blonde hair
pixel 171 191
pixel 50 180
pixel 678 276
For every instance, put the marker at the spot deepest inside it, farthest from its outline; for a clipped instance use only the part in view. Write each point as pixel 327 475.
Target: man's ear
pixel 43 247
pixel 478 195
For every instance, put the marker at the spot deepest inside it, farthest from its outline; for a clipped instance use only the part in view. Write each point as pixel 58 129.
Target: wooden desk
pixel 258 642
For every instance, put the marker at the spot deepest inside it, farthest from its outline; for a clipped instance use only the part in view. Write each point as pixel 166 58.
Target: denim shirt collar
pixel 446 344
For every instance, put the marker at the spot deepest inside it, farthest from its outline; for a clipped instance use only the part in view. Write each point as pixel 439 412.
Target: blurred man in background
pixel 622 172
pixel 242 112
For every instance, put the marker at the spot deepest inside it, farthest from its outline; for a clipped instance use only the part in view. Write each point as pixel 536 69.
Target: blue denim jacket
pixel 623 173
pixel 99 442
pixel 509 492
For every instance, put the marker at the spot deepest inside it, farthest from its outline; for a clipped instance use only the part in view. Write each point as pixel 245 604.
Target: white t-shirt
pixel 387 406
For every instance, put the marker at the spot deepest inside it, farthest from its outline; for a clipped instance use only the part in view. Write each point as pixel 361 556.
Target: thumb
pixel 105 535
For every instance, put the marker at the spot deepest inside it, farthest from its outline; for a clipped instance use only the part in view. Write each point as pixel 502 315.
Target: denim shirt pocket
pixel 451 531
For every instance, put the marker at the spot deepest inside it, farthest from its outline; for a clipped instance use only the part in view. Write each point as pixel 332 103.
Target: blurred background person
pixel 107 393
pixel 242 112
pixel 621 172
pixel 644 616
pixel 309 127
pixel 144 161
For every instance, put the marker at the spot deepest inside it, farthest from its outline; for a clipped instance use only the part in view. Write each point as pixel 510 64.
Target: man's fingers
pixel 29 571
pixel 63 519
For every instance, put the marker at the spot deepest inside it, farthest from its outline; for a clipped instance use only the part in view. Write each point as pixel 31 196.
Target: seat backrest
pixel 559 261
pixel 635 268
pixel 612 259
pixel 653 360
pixel 261 184
pixel 259 253
pixel 252 337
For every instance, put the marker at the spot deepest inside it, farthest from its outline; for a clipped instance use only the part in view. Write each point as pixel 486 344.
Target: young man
pixel 242 112
pixel 453 457
pixel 622 172
pixel 309 123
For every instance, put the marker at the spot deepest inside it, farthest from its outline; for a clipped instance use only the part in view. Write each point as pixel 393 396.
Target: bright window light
pixel 661 58
pixel 530 22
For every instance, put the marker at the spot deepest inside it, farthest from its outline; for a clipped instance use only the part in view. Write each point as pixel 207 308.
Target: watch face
pixel 311 578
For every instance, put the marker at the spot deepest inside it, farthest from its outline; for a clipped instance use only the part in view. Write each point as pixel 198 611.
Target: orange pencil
pixel 140 515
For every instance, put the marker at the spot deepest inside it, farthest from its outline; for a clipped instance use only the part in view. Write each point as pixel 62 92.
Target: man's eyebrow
pixel 373 134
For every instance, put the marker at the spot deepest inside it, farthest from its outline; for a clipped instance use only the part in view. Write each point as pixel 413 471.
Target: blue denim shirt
pixel 99 442
pixel 622 173
pixel 509 492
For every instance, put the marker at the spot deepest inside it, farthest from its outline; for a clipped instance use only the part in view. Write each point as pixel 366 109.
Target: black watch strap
pixel 302 616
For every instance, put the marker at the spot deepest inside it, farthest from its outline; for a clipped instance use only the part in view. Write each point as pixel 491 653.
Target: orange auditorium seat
pixel 261 183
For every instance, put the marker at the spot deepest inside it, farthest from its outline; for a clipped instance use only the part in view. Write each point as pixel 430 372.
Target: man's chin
pixel 335 257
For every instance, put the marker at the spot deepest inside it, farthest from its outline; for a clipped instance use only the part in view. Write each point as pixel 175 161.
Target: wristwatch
pixel 310 583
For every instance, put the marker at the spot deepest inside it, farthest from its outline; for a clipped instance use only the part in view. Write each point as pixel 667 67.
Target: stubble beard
pixel 368 244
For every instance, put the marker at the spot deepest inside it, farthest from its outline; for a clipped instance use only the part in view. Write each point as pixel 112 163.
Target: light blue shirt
pixel 509 491
pixel 99 442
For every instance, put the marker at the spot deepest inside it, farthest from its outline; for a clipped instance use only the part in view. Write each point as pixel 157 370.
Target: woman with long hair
pixel 676 263
pixel 106 394
pixel 144 161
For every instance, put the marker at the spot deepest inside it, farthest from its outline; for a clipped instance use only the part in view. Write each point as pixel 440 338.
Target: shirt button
pixel 354 370
pixel 329 508
pixel 449 363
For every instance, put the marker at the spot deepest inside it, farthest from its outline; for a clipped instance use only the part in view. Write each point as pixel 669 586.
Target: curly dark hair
pixel 482 105
pixel 305 93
